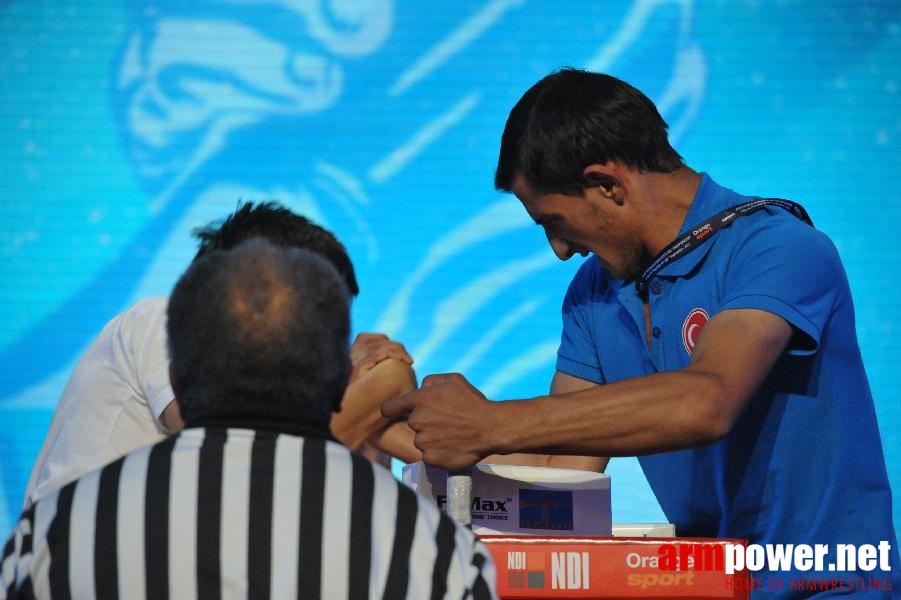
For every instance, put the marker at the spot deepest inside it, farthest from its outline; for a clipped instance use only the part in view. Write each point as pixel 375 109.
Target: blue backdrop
pixel 125 124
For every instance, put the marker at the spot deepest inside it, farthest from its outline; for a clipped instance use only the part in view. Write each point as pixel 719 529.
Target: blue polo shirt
pixel 804 463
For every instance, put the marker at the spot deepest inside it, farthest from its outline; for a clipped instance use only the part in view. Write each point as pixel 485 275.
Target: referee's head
pixel 257 335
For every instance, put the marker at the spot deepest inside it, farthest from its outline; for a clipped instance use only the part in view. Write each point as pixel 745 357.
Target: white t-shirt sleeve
pixel 145 337
pixel 112 401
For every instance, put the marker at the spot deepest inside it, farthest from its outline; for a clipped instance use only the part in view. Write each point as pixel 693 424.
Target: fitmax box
pixel 510 499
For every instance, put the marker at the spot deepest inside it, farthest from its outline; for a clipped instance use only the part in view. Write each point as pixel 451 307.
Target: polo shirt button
pixel 655 288
pixel 656 331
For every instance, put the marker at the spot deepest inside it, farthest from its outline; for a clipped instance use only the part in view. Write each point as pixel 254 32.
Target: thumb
pixel 398 406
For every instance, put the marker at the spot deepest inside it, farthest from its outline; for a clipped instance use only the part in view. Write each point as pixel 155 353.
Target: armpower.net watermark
pixel 823 566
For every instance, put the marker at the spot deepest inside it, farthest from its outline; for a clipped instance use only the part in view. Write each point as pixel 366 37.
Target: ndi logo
pixel 546 509
pixel 569 570
pixel 525 570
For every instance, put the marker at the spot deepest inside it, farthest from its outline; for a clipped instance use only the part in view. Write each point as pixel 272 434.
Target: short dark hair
pixel 274 222
pixel 573 118
pixel 259 331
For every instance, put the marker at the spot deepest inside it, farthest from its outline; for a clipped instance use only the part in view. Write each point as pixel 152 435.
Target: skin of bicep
pixel 740 348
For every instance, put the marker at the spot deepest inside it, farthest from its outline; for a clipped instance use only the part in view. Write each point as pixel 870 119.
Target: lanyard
pixel 704 231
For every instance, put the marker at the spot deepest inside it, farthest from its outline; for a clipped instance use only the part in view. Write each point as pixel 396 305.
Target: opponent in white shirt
pixel 118 397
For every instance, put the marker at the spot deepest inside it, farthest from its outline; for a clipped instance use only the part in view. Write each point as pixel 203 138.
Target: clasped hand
pixel 450 419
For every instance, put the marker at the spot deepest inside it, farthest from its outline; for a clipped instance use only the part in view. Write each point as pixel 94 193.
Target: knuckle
pixel 413 422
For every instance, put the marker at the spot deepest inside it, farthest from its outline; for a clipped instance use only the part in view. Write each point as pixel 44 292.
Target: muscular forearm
pixel 632 417
pixel 691 407
pixel 396 439
pixel 456 426
pixel 562 383
pixel 687 408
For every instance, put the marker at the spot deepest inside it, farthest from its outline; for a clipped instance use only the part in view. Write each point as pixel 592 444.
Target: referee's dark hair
pixel 259 334
pixel 274 222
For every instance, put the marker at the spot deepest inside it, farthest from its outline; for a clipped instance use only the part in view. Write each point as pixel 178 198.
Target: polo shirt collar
pixel 710 199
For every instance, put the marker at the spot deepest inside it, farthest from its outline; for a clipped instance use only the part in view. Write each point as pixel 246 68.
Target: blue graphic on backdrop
pixel 355 114
pixel 381 121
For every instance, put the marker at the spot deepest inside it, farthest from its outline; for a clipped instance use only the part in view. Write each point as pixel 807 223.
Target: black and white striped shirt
pixel 237 513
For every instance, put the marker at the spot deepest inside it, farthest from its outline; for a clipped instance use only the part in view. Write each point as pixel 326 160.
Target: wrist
pixel 498 432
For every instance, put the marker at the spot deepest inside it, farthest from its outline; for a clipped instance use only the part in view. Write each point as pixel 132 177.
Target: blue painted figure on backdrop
pixel 346 112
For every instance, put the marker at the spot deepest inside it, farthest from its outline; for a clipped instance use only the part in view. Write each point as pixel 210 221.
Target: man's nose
pixel 561 248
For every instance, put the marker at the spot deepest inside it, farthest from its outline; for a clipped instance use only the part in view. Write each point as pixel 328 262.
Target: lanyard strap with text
pixel 702 232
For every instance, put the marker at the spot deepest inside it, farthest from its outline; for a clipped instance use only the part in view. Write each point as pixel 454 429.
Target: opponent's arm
pixel 396 440
pixel 370 349
pixel 360 416
pixel 171 419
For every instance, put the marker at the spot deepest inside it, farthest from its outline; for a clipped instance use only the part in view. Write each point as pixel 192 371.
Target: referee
pixel 254 498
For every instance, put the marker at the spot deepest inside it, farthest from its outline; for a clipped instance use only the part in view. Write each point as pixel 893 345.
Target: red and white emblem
pixel 692 326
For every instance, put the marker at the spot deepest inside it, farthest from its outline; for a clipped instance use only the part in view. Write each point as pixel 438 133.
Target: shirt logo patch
pixel 692 326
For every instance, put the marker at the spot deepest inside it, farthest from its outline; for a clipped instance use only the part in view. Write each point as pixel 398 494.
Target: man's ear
pixel 608 178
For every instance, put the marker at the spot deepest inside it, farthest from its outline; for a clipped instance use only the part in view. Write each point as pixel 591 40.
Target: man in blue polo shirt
pixel 709 333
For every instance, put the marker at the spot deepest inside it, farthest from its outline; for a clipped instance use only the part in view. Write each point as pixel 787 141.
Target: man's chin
pixel 609 270
pixel 625 273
